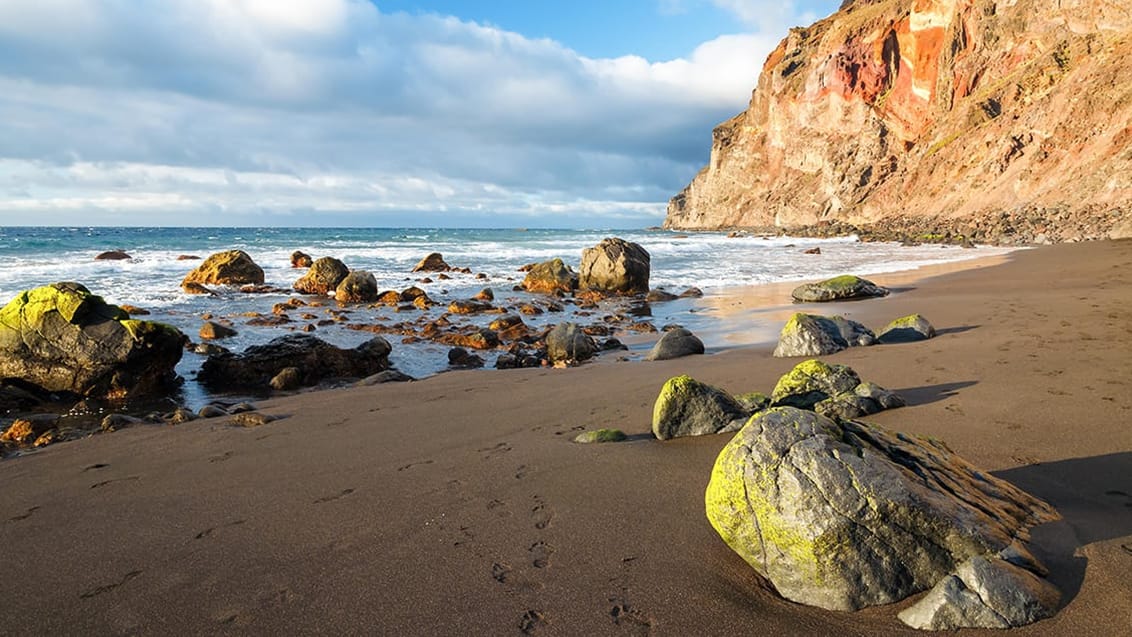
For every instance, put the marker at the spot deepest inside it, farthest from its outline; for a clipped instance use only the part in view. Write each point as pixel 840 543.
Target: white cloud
pixel 201 106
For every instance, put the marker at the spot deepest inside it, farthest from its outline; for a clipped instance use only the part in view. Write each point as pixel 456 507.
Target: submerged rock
pixel 323 276
pixel 687 407
pixel 316 359
pixel 112 255
pixel 844 515
pixel 60 337
pixel 674 344
pixel 615 266
pixel 907 329
pixel 838 288
pixel 549 277
pixel 232 267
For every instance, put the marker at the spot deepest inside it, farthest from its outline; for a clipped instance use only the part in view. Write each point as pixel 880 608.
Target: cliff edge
pixel 952 110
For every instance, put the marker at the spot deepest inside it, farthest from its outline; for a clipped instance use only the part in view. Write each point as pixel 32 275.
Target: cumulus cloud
pixel 205 111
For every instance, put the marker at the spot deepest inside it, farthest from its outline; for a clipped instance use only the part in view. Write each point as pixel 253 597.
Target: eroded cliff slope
pixel 944 109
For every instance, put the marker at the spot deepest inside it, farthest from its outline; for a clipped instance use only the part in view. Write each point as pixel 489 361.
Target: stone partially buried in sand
pixel 835 391
pixel 838 288
pixel 687 407
pixel 675 343
pixel 844 515
pixel 907 329
pixel 816 335
pixel 600 435
pixel 60 337
pixel 231 267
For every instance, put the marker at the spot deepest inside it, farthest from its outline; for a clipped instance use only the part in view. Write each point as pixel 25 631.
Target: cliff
pixel 953 110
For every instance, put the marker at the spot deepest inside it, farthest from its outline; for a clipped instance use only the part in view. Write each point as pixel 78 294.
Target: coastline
pixel 458 504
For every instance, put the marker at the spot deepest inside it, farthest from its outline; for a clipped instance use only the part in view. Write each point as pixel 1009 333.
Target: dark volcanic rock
pixel 316 359
pixel 60 337
pixel 112 255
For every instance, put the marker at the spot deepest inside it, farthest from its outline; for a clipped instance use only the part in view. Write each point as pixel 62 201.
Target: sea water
pixel 713 262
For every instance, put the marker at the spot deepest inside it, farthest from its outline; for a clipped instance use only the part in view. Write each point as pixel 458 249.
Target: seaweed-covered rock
pixel 615 266
pixel 687 407
pixel 832 390
pixel 323 276
pixel 231 267
pixel 675 344
pixel 549 277
pixel 844 515
pixel 816 335
pixel 566 342
pixel 60 337
pixel 359 286
pixel 600 435
pixel 316 359
pixel 432 263
pixel 907 329
pixel 838 288
pixel 984 592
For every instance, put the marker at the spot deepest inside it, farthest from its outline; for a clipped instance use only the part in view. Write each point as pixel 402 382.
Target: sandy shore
pixel 459 506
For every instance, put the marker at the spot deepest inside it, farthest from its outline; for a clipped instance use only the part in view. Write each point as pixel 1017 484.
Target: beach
pixel 458 505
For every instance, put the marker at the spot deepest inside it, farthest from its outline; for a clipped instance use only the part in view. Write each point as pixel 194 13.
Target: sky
pixel 589 113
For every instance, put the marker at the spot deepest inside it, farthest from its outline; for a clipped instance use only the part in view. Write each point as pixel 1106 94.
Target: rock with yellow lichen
pixel 845 515
pixel 62 338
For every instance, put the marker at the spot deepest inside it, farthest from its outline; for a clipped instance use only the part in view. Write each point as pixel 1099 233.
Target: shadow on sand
pixel 1094 497
pixel 932 393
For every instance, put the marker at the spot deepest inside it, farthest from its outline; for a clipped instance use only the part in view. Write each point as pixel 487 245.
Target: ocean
pixel 713 262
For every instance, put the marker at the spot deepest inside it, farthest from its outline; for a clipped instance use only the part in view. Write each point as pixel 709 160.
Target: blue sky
pixel 350 112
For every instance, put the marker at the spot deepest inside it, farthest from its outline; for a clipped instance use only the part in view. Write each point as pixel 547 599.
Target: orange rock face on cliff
pixel 941 108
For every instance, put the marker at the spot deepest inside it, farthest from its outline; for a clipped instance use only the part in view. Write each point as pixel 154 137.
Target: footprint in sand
pixel 25 515
pixel 210 530
pixel 540 554
pixel 221 458
pixel 99 465
pixel 99 485
pixel 414 464
pixel 541 514
pixel 490 452
pixel 99 590
pixel 521 472
pixel 330 498
pixel 629 619
pixel 500 572
pixel 531 621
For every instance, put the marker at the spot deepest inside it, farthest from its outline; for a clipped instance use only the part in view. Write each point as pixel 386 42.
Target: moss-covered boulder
pixel 550 277
pixel 687 407
pixel 359 286
pixel 816 335
pixel 600 435
pixel 844 515
pixel 615 266
pixel 839 288
pixel 231 267
pixel 675 343
pixel 907 329
pixel 835 391
pixel 323 276
pixel 62 338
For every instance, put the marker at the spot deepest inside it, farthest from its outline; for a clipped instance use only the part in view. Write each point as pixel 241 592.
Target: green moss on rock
pixel 600 435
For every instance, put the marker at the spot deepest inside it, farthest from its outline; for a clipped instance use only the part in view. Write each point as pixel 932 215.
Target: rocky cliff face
pixel 944 109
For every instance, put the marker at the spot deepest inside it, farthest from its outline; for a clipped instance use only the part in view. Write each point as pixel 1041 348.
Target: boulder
pixel 549 277
pixel 600 435
pixel 388 376
pixel 191 287
pixel 432 263
pixel 301 259
pixel 287 379
pixel 984 592
pixel 27 430
pixel 838 288
pixel 462 358
pixel 675 344
pixel 566 342
pixel 660 296
pixel 816 335
pixel 844 515
pixel 687 407
pixel 212 331
pixel 62 338
pixel 907 329
pixel 834 391
pixel 359 286
pixel 323 276
pixel 316 359
pixel 112 255
pixel 484 295
pixel 469 307
pixel 615 266
pixel 692 293
pixel 232 267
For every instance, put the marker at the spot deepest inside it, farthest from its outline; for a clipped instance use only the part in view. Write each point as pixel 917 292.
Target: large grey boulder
pixel 615 266
pixel 315 360
pixel 907 329
pixel 984 592
pixel 566 342
pixel 687 407
pixel 844 515
pixel 839 288
pixel 62 338
pixel 815 335
pixel 675 344
pixel 835 391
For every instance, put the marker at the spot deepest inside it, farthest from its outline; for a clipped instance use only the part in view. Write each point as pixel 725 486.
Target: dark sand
pixel 459 506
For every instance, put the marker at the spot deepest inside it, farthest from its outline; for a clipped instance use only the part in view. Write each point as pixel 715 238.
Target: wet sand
pixel 458 505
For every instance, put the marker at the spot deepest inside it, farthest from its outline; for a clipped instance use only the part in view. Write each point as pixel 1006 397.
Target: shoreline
pixel 458 504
